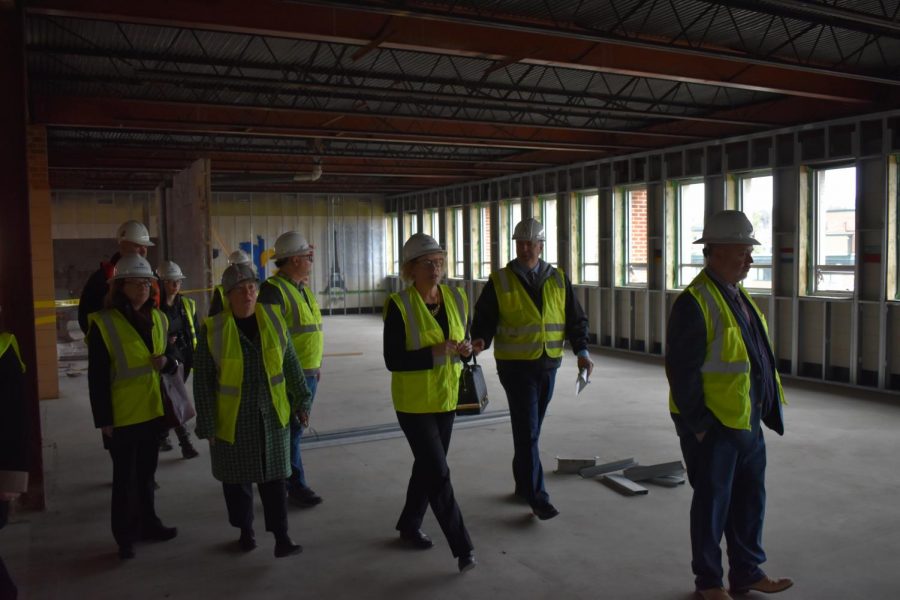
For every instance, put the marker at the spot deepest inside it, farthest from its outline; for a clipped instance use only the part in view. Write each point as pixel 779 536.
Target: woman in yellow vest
pixel 127 350
pixel 182 314
pixel 424 338
pixel 248 384
pixel 14 439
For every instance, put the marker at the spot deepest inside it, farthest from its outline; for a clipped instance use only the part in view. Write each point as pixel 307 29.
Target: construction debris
pixel 667 481
pixel 638 473
pixel 623 485
pixel 610 467
pixel 573 465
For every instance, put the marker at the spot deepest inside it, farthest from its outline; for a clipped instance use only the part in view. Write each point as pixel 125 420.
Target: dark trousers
pixel 239 500
pixel 8 589
pixel 298 475
pixel 528 392
pixel 727 471
pixel 428 435
pixel 134 450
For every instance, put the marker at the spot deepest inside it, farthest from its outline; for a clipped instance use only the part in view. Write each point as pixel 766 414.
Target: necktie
pixel 532 277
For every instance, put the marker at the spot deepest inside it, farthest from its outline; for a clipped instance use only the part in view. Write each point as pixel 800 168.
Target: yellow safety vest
pixel 7 340
pixel 136 396
pixel 436 389
pixel 225 348
pixel 219 291
pixel 726 368
pixel 304 321
pixel 523 333
pixel 190 308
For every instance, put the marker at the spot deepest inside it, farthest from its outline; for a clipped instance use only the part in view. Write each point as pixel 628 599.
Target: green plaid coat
pixel 261 450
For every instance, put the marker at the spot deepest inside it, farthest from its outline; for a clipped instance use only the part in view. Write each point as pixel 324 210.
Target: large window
pixel 455 255
pixel 392 251
pixel 691 204
pixel 635 267
pixel 756 201
pixel 834 234
pixel 431 224
pixel 510 215
pixel 481 233
pixel 545 212
pixel 410 224
pixel 589 238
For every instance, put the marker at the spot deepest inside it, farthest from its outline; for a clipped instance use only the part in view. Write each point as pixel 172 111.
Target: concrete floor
pixel 833 522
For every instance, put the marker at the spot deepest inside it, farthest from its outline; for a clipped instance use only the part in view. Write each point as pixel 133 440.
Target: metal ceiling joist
pixel 462 35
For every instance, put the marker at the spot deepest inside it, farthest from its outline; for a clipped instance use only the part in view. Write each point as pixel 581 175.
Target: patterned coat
pixel 261 450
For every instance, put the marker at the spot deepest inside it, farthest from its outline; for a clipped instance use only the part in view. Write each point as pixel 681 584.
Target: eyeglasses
pixel 139 282
pixel 432 264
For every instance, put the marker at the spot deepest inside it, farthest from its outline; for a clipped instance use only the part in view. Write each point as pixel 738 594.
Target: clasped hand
pixel 449 348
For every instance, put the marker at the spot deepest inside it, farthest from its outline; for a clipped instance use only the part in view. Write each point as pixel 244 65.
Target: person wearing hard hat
pixel 182 314
pixel 723 384
pixel 15 434
pixel 289 290
pixel 133 239
pixel 528 309
pixel 247 385
pixel 424 340
pixel 219 300
pixel 127 350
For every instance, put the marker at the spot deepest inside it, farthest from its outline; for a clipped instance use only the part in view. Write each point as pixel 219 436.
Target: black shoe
pixel 286 547
pixel 544 511
pixel 126 552
pixel 304 496
pixel 165 445
pixel 417 538
pixel 467 562
pixel 159 533
pixel 188 451
pixel 247 541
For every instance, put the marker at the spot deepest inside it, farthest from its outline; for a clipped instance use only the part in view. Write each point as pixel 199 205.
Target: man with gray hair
pixel 722 386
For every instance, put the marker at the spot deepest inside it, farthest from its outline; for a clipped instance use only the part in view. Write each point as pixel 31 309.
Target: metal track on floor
pixel 374 433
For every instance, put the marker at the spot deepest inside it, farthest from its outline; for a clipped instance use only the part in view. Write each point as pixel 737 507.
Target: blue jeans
pixel 528 392
pixel 727 471
pixel 298 477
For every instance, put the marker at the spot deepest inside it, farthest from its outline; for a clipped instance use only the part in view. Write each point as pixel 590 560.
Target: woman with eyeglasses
pixel 127 349
pixel 424 340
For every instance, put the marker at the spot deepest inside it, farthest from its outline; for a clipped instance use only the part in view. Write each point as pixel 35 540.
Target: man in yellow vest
pixel 528 308
pixel 723 383
pixel 288 289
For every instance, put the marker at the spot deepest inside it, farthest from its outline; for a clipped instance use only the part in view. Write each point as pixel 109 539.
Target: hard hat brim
pixel 748 241
pixel 237 283
pixel 424 253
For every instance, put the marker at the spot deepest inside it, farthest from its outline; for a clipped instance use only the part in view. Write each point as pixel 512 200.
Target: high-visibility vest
pixel 225 347
pixel 190 309
pixel 436 389
pixel 523 333
pixel 7 340
pixel 136 396
pixel 219 291
pixel 726 368
pixel 304 321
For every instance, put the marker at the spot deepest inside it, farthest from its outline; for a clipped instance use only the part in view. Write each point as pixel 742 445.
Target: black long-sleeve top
pixel 14 424
pixel 100 366
pixel 396 356
pixel 487 314
pixel 180 329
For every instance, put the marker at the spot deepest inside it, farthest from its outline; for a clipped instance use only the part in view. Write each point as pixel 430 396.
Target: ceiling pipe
pixel 314 176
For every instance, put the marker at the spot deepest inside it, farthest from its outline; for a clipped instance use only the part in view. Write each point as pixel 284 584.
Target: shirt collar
pixel 730 288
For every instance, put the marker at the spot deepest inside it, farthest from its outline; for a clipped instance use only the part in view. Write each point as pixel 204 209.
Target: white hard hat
pixel 236 274
pixel 728 227
pixel 290 243
pixel 169 270
pixel 529 230
pixel 132 265
pixel 239 257
pixel 134 232
pixel 419 244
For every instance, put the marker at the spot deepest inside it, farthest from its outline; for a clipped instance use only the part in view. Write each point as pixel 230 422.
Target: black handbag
pixel 473 395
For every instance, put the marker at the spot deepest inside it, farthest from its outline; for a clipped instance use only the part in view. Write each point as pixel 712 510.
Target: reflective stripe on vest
pixel 190 309
pixel 7 340
pixel 136 396
pixel 726 368
pixel 304 320
pixel 523 333
pixel 435 389
pixel 225 348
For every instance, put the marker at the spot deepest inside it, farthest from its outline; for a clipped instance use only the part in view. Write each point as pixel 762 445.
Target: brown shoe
pixel 767 585
pixel 713 594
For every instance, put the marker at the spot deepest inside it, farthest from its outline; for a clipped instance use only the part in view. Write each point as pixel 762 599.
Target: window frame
pixel 392 254
pixel 581 263
pixel 679 265
pixel 739 179
pixel 815 238
pixel 625 263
